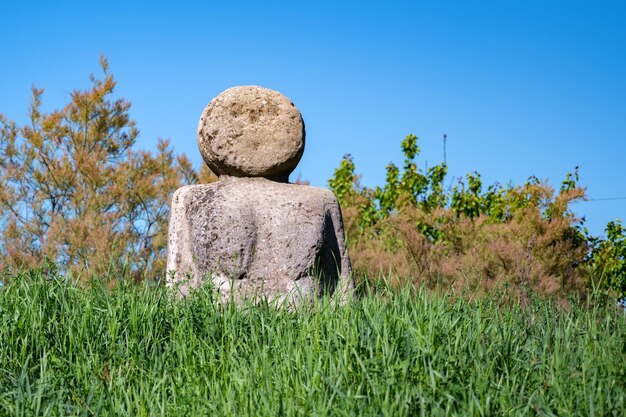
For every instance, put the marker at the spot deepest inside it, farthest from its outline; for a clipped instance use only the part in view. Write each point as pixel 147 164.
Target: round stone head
pixel 251 131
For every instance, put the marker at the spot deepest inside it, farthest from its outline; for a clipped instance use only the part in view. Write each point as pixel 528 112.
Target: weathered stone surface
pixel 255 237
pixel 252 234
pixel 251 131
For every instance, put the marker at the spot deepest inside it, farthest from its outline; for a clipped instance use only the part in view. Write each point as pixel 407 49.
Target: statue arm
pixel 346 281
pixel 181 269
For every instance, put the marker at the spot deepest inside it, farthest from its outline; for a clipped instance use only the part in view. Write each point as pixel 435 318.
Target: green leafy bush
pixel 466 237
pixel 608 259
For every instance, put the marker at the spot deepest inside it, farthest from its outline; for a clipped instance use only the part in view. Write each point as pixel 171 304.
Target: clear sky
pixel 520 88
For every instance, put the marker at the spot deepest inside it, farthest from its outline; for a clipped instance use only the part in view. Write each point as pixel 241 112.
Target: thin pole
pixel 444 149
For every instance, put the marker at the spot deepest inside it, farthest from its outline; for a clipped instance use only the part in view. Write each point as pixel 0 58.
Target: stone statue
pixel 252 233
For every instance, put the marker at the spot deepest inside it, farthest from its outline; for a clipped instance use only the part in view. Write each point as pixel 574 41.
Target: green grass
pixel 65 350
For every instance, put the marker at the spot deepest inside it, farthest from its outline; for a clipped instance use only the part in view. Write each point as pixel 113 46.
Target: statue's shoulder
pixel 194 195
pixel 322 193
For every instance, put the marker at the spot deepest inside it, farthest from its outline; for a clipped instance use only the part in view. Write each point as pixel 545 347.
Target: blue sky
pixel 520 88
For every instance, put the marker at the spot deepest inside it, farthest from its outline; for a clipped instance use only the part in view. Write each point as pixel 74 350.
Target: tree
pixel 73 189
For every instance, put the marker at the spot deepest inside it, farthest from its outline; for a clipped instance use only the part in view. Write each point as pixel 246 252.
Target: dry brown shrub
pixel 538 249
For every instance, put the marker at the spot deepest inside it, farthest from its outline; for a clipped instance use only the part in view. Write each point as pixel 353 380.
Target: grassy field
pixel 65 350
